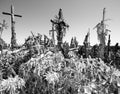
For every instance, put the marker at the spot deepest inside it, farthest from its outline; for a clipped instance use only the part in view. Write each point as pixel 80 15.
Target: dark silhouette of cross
pixel 13 37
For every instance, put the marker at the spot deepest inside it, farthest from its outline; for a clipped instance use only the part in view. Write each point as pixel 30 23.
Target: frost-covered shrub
pixel 50 72
pixel 12 85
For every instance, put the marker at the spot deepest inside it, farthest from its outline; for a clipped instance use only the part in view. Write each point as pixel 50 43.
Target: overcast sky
pixel 79 14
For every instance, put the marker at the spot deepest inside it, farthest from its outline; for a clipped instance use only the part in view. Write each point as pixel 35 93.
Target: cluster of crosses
pixel 59 27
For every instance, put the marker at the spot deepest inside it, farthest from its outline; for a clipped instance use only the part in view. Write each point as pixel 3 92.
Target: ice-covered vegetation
pixel 51 73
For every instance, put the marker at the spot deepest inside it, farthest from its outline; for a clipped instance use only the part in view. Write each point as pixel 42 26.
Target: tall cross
pixel 60 27
pixel 13 37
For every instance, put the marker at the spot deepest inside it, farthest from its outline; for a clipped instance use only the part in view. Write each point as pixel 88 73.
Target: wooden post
pixel 102 41
pixel 53 36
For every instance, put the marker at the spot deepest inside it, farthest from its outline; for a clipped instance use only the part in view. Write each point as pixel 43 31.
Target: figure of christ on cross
pixel 13 35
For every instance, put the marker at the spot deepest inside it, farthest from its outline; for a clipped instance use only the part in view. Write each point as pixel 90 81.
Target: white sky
pixel 79 14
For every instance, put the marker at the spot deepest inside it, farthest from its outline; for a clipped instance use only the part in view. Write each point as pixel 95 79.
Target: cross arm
pixel 52 30
pixel 53 22
pixel 17 15
pixel 10 14
pixel 6 13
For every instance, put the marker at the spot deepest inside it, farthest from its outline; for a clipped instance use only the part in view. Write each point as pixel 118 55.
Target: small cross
pixel 12 17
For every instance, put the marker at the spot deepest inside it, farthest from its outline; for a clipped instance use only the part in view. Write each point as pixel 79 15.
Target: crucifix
pixel 13 37
pixel 60 27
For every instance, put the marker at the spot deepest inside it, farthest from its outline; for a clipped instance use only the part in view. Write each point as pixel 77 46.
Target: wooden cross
pixel 60 27
pixel 12 18
pixel 13 37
